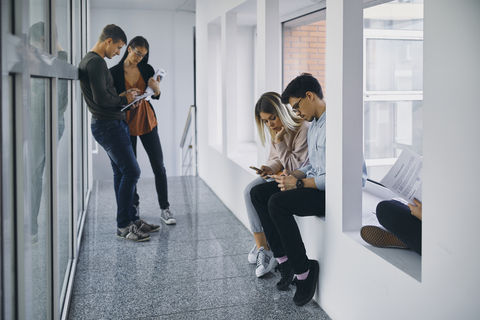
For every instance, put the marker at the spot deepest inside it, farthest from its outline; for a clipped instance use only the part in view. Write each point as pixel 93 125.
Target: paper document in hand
pixel 405 177
pixel 149 92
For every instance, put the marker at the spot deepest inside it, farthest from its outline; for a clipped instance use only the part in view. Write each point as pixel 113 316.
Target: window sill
pixel 246 156
pixel 404 259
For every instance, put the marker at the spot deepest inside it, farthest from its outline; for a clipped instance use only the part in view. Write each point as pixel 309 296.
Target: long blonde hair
pixel 270 102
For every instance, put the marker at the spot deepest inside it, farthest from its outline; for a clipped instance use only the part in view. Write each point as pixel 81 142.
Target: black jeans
pixel 398 219
pixel 151 143
pixel 276 208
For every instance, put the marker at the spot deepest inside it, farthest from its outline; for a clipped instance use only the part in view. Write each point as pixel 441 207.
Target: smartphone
pixel 257 169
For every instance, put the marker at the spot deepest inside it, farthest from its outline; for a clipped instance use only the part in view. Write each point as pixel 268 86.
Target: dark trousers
pixel 114 137
pixel 398 219
pixel 276 209
pixel 151 143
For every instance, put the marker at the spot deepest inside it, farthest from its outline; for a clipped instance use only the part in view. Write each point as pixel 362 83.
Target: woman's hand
pixel 416 209
pixel 279 135
pixel 155 85
pixel 266 171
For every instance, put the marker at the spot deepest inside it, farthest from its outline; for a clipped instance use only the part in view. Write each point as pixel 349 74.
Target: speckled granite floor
pixel 197 269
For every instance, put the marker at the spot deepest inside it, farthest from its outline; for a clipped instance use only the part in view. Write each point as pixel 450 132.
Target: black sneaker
pixel 306 288
pixel 287 275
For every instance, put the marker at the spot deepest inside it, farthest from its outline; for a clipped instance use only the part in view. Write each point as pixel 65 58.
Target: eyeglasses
pixel 138 53
pixel 296 106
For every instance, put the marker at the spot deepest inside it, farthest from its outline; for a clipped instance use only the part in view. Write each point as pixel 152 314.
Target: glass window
pixel 63 28
pixel 39 29
pixel 78 33
pixel 39 203
pixel 393 88
pixel 394 65
pixel 395 15
pixel 304 47
pixel 7 23
pixel 63 182
pixel 78 118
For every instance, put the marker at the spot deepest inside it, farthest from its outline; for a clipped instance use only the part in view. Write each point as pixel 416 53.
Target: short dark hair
pixel 37 31
pixel 299 86
pixel 138 41
pixel 114 32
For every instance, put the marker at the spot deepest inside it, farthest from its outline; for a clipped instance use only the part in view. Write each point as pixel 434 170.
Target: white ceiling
pixel 246 11
pixel 165 5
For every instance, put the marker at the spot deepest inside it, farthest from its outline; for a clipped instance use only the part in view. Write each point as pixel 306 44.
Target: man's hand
pixel 416 209
pixel 131 94
pixel 285 181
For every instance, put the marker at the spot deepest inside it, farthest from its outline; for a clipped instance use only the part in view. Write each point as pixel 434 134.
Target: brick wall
pixel 304 51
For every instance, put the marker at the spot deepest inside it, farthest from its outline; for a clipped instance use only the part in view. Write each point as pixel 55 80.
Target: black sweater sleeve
pixel 101 84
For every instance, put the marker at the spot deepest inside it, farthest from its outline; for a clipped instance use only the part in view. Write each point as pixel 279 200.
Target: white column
pixel 269 52
pixel 451 151
pixel 229 83
pixel 344 112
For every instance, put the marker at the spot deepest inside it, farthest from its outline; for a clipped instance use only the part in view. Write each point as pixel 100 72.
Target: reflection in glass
pixel 394 65
pixel 37 35
pixel 38 28
pixel 63 25
pixel 63 182
pixel 38 102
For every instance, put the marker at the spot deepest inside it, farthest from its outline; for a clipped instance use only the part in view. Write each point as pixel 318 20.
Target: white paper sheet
pixel 149 92
pixel 405 177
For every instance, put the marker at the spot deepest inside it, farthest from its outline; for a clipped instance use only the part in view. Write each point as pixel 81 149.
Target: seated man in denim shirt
pixel 300 193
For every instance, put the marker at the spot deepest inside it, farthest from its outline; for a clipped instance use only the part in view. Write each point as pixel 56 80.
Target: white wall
pixel 170 35
pixel 355 283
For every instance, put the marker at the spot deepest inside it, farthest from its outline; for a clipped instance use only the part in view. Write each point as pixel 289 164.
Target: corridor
pixel 197 269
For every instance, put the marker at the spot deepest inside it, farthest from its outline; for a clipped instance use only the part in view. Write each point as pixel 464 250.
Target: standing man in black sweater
pixel 111 131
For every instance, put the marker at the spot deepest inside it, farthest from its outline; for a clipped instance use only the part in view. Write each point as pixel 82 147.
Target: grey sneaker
pixel 132 233
pixel 145 227
pixel 167 216
pixel 252 255
pixel 265 262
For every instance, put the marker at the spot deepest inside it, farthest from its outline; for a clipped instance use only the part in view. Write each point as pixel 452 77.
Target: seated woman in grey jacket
pixel 288 151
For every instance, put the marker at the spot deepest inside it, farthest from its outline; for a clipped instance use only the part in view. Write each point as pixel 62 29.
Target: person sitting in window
pixel 403 224
pixel 288 150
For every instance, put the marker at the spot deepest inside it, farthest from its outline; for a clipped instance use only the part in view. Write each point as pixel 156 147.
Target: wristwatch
pixel 299 184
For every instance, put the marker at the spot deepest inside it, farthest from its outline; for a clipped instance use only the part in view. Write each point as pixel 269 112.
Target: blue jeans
pixel 114 137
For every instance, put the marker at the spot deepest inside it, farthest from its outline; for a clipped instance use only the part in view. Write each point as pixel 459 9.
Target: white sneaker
pixel 265 262
pixel 167 216
pixel 252 255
